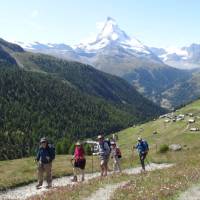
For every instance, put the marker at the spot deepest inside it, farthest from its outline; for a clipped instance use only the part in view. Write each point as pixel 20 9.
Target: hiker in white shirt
pixel 116 156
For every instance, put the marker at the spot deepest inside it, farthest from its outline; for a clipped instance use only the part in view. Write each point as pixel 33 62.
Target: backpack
pixel 145 145
pixel 109 145
pixel 52 151
pixel 118 152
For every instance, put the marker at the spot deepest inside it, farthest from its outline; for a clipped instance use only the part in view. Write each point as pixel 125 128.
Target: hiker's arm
pixel 135 147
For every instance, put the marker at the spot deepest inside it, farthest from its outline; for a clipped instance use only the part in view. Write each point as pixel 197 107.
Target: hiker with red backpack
pixel 116 156
pixel 104 154
pixel 143 149
pixel 79 162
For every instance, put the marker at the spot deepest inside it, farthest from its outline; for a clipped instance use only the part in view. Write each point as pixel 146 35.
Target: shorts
pixel 80 163
pixel 104 160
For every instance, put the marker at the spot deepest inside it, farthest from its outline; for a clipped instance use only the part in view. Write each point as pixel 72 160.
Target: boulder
pixel 175 147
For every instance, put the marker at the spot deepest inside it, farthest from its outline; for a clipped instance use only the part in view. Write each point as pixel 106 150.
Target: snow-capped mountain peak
pixel 111 35
pixel 112 31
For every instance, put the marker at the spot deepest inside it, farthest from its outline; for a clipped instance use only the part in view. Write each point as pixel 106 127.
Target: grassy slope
pixel 162 184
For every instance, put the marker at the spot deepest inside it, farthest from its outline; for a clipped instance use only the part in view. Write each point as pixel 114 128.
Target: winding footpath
pixel 192 193
pixel 29 190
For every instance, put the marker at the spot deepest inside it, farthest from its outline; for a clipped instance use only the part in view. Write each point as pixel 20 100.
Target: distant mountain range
pixel 41 95
pixel 148 69
pixel 183 58
pixel 111 39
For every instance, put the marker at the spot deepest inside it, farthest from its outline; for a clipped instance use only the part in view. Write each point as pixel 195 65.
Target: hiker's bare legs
pixel 83 175
pixel 75 172
pixel 118 165
pixel 105 169
pixel 102 167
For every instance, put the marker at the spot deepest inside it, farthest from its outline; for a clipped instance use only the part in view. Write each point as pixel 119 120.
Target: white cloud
pixel 34 13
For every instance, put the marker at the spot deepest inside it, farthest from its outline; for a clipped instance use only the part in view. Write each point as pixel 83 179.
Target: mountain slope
pixel 93 82
pixel 42 95
pixel 34 105
pixel 189 90
pixel 154 82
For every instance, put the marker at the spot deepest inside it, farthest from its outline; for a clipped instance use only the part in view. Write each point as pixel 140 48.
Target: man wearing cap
pixel 44 158
pixel 104 153
pixel 143 148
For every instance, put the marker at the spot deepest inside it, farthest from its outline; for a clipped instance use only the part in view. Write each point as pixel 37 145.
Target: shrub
pixel 163 148
pixel 87 149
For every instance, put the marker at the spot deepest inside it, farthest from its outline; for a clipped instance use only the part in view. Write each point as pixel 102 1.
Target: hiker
pixel 104 153
pixel 116 156
pixel 79 162
pixel 45 156
pixel 143 149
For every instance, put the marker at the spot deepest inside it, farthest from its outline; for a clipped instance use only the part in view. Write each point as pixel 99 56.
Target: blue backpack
pixel 145 145
pixel 52 151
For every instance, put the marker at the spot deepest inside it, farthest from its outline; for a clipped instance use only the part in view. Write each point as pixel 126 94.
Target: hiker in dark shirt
pixel 143 149
pixel 45 156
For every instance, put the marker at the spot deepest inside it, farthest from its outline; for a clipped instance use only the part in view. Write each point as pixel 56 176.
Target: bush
pixel 58 148
pixel 62 146
pixel 71 149
pixel 163 148
pixel 87 149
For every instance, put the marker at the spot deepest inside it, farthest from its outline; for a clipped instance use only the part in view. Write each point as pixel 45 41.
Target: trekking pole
pixel 71 162
pixel 92 149
pixel 92 165
pixel 148 162
pixel 132 155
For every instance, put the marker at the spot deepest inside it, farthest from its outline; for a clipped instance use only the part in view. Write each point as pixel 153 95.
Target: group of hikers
pixel 105 149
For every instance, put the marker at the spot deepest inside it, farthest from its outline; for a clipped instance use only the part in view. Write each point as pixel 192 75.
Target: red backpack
pixel 118 152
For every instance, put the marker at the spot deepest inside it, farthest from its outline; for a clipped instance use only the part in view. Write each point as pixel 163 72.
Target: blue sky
pixel 160 23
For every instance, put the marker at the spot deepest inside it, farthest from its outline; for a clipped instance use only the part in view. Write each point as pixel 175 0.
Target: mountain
pixel 111 36
pixel 113 51
pixel 92 82
pixel 60 50
pixel 43 95
pixel 5 49
pixel 111 42
pixel 183 58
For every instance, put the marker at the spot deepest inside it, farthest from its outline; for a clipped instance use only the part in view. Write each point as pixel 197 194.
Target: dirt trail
pixel 192 193
pixel 29 190
pixel 106 192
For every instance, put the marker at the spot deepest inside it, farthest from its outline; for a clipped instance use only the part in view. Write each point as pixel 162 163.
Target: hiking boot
pixel 74 179
pixel 48 186
pixel 38 186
